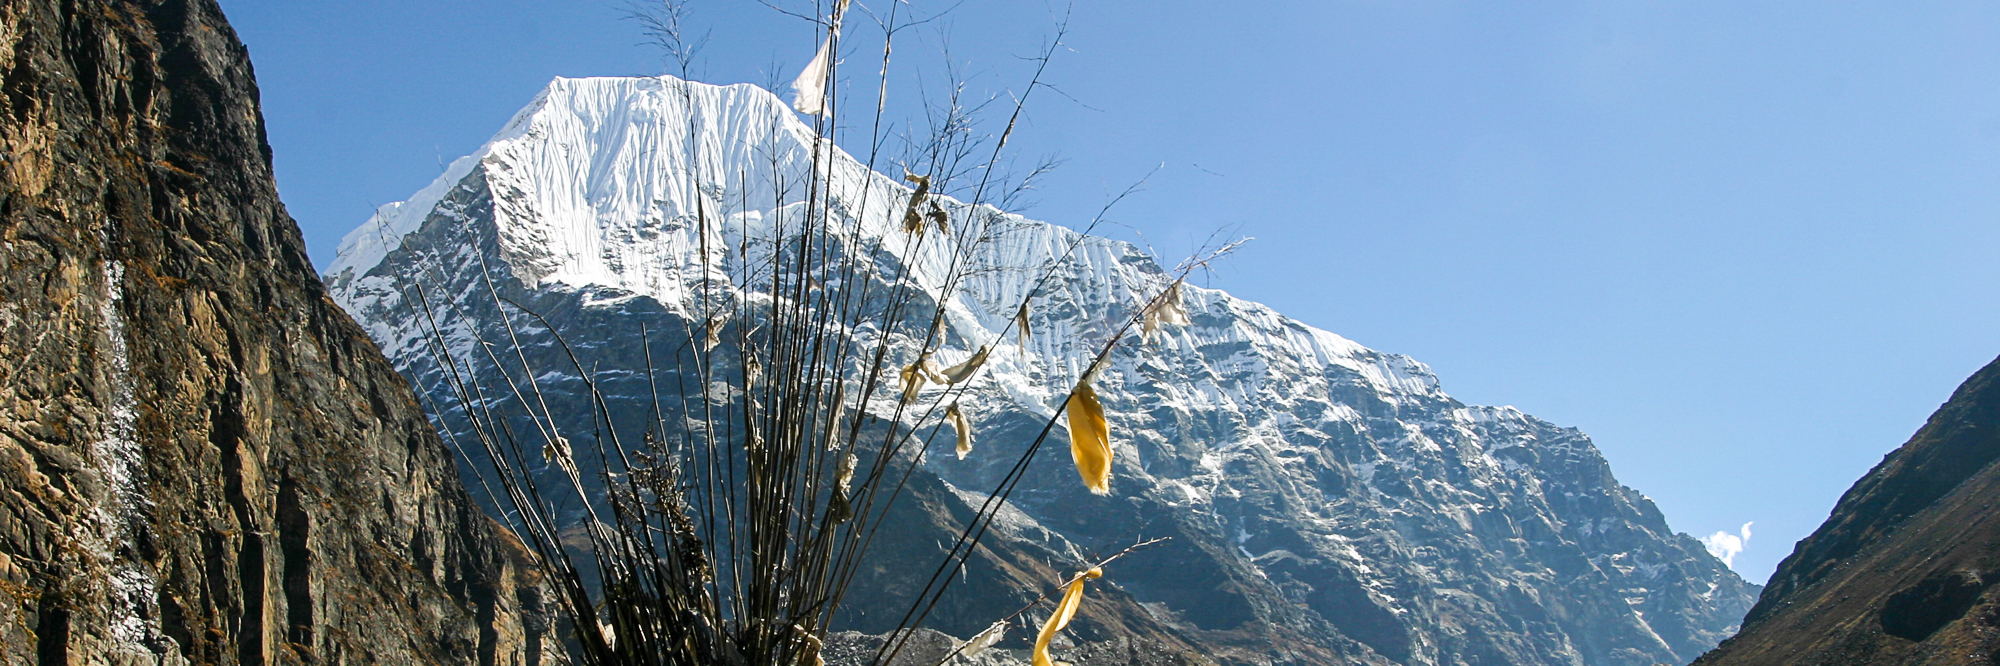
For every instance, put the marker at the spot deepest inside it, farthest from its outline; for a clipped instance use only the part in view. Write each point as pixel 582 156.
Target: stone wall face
pixel 202 458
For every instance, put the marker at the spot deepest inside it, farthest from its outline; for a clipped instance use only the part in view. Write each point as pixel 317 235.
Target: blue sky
pixel 1747 246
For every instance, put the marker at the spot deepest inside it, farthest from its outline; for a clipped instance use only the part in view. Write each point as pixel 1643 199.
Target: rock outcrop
pixel 202 458
pixel 1328 503
pixel 1902 572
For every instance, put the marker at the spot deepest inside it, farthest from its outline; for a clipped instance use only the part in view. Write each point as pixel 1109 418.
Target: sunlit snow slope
pixel 1327 501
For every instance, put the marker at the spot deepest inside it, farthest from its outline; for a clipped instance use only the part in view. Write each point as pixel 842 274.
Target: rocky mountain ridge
pixel 1327 501
pixel 202 459
pixel 1902 571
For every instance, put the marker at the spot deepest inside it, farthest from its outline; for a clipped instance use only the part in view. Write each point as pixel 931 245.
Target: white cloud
pixel 1725 546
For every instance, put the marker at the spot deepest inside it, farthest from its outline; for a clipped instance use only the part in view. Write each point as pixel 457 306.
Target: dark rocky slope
pixel 202 459
pixel 1902 571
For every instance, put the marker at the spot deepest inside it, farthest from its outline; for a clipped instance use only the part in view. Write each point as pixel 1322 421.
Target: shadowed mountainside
pixel 1902 572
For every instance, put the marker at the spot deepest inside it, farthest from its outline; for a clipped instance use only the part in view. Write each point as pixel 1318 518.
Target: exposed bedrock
pixel 202 458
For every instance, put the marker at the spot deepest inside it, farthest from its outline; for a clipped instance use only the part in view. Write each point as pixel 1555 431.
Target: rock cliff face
pixel 1902 572
pixel 1327 502
pixel 202 458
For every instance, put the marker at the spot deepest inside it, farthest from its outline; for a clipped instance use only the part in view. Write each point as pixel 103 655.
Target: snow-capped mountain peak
pixel 1326 499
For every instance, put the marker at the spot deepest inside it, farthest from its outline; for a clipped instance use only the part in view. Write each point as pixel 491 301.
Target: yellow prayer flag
pixel 1065 610
pixel 1090 438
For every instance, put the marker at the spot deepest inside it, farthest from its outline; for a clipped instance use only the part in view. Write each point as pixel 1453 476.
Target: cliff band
pixel 202 458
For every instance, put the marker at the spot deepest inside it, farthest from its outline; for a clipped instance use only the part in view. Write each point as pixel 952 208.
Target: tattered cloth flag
pixel 984 639
pixel 1021 322
pixel 809 90
pixel 964 370
pixel 963 426
pixel 713 331
pixel 840 508
pixel 557 451
pixel 913 222
pixel 844 473
pixel 940 218
pixel 1089 437
pixel 1072 597
pixel 1167 311
pixel 917 373
pixel 913 380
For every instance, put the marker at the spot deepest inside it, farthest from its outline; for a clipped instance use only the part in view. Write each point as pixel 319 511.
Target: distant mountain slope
pixel 1328 502
pixel 202 459
pixel 1902 572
